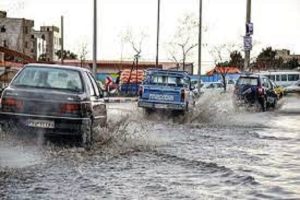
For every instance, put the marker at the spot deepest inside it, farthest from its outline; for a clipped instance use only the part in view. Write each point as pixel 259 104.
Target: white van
pixel 283 78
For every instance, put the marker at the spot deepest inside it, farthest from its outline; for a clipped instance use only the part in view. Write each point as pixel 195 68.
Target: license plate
pixel 40 123
pixel 160 106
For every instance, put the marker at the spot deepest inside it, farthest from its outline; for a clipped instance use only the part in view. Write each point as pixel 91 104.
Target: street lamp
pixel 157 34
pixel 199 44
pixel 95 39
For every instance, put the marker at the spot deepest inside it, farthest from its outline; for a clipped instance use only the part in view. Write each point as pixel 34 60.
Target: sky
pixel 276 24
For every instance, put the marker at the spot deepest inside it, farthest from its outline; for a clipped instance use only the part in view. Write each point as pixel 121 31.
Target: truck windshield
pixel 168 80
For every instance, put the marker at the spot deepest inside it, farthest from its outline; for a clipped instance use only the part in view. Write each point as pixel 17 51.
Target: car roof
pixel 56 66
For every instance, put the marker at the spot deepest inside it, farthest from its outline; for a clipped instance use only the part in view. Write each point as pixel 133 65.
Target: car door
pixel 98 106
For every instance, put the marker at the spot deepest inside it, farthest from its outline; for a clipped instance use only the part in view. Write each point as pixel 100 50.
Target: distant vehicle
pixel 279 90
pixel 282 78
pixel 59 100
pixel 295 88
pixel 254 89
pixel 167 90
pixel 213 87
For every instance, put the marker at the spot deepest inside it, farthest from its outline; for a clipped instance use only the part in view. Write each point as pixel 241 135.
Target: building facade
pixel 52 37
pixel 286 55
pixel 16 34
pixel 40 45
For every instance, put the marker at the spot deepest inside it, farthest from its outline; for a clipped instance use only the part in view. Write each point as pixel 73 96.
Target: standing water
pixel 218 153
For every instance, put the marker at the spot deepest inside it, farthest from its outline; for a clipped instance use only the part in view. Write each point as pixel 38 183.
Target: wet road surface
pixel 218 153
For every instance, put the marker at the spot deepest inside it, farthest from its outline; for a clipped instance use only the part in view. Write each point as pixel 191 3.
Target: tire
pixel 87 134
pixel 148 111
pixel 7 127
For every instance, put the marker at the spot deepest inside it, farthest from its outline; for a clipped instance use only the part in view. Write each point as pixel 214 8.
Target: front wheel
pixel 87 134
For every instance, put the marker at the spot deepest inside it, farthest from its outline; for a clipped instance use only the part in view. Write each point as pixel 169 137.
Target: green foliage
pixel 66 55
pixel 42 57
pixel 236 59
pixel 291 64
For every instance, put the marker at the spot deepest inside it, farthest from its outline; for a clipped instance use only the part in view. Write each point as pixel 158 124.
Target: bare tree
pixel 184 40
pixel 221 55
pixel 136 41
pixel 83 53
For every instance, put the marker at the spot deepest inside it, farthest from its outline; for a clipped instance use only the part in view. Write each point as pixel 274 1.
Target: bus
pixel 282 78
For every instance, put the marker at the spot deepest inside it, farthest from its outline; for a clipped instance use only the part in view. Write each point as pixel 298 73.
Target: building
pixel 16 34
pixel 51 36
pixel 286 55
pixel 112 67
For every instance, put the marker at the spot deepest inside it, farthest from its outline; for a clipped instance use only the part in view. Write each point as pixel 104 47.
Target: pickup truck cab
pixel 166 90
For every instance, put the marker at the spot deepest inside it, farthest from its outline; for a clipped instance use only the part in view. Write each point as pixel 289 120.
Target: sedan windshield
pixel 49 78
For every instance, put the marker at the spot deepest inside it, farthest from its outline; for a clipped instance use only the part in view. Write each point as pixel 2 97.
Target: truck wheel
pixel 148 111
pixel 87 134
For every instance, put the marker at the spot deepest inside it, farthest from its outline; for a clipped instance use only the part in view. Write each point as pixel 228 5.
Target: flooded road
pixel 218 153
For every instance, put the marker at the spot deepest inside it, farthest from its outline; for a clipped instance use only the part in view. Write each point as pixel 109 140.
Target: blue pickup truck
pixel 166 90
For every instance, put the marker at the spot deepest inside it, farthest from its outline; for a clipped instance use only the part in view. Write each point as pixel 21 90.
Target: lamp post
pixel 62 40
pixel 199 44
pixel 95 39
pixel 248 50
pixel 157 34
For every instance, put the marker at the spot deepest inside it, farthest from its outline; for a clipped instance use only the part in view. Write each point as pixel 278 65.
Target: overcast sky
pixel 276 23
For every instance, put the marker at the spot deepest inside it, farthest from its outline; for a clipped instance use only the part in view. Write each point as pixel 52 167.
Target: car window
pixel 49 78
pixel 293 77
pixel 278 78
pixel 283 77
pixel 94 84
pixel 247 81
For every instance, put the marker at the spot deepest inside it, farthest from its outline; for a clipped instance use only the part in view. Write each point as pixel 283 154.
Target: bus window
pixel 293 77
pixel 278 78
pixel 272 77
pixel 283 77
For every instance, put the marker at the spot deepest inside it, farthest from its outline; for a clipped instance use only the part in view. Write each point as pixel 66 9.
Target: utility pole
pixel 199 44
pixel 95 39
pixel 247 50
pixel 157 34
pixel 62 40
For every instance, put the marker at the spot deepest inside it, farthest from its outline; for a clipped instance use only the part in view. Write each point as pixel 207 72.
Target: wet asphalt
pixel 217 152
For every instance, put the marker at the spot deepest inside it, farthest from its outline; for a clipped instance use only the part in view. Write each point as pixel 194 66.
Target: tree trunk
pixel 224 82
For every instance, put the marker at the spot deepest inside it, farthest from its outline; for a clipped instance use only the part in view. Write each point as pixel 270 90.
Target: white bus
pixel 283 78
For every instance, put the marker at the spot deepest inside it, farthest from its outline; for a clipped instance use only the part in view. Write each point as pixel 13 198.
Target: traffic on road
pixel 60 140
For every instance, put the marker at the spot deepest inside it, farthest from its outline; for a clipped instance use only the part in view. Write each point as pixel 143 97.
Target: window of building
pixel 26 29
pixel 5 43
pixel 3 29
pixel 32 36
pixel 26 44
